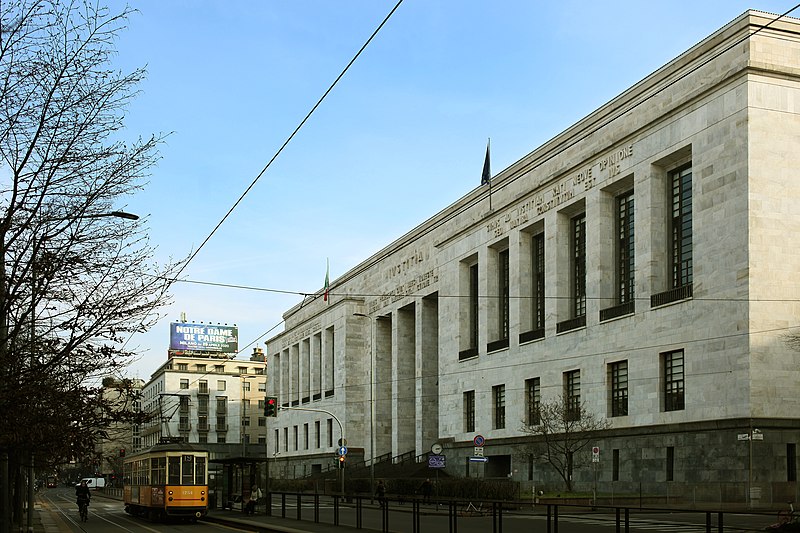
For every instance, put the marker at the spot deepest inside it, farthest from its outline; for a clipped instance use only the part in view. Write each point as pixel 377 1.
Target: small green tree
pixel 563 430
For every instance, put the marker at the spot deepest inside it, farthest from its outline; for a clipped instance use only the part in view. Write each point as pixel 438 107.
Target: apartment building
pixel 640 264
pixel 208 399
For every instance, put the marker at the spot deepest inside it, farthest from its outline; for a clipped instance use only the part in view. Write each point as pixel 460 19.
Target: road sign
pixel 436 448
pixel 479 440
pixel 342 442
pixel 478 451
pixel 478 459
pixel 436 461
pixel 343 450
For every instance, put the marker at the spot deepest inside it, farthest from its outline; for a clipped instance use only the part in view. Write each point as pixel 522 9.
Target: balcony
pixel 533 335
pixel 572 323
pixel 627 308
pixel 677 294
pixel 468 353
pixel 499 344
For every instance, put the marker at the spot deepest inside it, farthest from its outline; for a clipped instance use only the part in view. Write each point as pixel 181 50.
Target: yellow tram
pixel 167 480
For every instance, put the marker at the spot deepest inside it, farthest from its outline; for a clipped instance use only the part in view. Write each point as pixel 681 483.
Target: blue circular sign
pixel 343 450
pixel 478 440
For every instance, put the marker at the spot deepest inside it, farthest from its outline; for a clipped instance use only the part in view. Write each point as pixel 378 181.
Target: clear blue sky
pixel 401 137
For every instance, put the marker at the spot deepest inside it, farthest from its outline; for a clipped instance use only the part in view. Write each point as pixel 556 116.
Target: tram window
pixel 200 471
pixel 174 471
pixel 158 470
pixel 187 477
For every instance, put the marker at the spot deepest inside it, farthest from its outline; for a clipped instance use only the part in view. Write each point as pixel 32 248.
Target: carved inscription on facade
pixel 296 335
pixel 406 263
pixel 562 192
pixel 409 287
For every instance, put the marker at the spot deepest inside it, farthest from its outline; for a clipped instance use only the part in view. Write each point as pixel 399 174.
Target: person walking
pixel 426 488
pixel 380 493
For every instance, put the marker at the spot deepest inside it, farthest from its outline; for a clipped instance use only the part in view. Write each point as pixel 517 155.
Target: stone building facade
pixel 640 264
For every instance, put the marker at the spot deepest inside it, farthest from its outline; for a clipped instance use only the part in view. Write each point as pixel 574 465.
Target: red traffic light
pixel 122 452
pixel 271 406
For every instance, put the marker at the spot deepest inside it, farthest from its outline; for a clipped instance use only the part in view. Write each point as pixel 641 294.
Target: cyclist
pixel 83 495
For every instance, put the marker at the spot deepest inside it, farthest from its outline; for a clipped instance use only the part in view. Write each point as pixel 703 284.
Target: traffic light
pixel 122 452
pixel 341 461
pixel 271 406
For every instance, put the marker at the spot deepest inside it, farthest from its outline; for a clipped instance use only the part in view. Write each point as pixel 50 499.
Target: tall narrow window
pixel 619 388
pixel 615 465
pixel 469 411
pixel 499 396
pixel 670 470
pixel 572 394
pixel 532 399
pixel 537 267
pixel 330 432
pixel 503 285
pixel 672 369
pixel 791 461
pixel 317 436
pixel 681 227
pixel 473 306
pixel 579 265
pixel 625 250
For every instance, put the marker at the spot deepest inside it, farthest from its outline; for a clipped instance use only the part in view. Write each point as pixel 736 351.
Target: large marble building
pixel 641 263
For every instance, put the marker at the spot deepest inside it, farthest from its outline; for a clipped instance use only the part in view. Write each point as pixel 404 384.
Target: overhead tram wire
pixel 475 201
pixel 291 136
pixel 280 150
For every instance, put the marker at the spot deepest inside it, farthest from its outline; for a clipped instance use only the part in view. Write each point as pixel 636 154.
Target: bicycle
pixel 83 510
pixel 788 520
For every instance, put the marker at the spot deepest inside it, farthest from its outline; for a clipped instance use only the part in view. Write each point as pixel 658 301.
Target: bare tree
pixel 564 430
pixel 76 281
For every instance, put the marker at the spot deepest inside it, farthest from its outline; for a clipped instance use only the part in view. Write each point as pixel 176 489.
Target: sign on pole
pixel 436 461
pixel 596 454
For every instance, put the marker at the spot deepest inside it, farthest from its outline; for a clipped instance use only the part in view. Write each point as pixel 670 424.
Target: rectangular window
pixel 473 306
pixel 305 436
pixel 317 435
pixel 578 257
pixel 672 368
pixel 619 388
pixel 262 422
pixel 222 405
pixel 202 386
pixel 202 404
pixel 572 394
pixel 277 441
pixel 246 386
pixel 220 384
pixel 499 400
pixel 183 367
pixel 296 439
pixel 615 465
pixel 625 249
pixel 286 439
pixel 791 461
pixel 469 411
pixel 504 293
pixel 670 470
pixel 532 399
pixel 201 368
pixel 537 267
pixel 330 433
pixel 219 369
pixel 681 226
pixel 184 383
pixel 221 439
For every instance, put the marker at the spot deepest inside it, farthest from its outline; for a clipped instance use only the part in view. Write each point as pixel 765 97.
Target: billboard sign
pixel 203 337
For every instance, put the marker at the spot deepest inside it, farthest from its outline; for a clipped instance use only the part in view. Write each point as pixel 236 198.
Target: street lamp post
pixel 117 214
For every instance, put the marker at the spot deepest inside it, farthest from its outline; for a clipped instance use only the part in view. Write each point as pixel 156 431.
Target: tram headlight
pixel 170 498
pixel 170 493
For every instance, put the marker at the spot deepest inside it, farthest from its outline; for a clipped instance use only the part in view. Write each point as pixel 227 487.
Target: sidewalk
pixel 269 524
